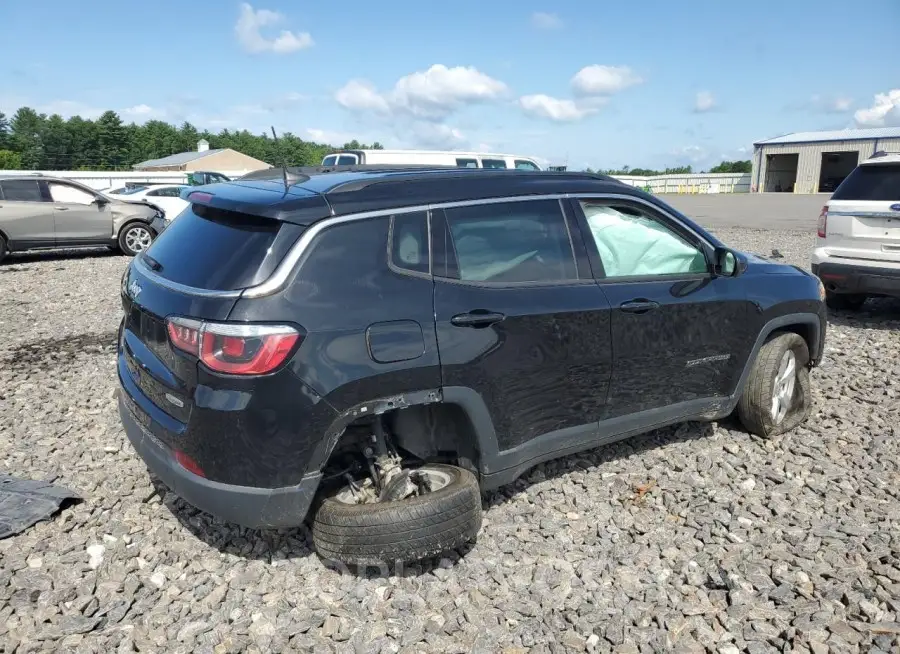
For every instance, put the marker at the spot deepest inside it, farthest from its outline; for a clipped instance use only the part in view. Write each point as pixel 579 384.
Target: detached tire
pixel 777 397
pixel 844 301
pixel 135 238
pixel 403 530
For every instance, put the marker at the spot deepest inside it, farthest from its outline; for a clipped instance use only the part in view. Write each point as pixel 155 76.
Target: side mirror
pixel 727 263
pixel 100 200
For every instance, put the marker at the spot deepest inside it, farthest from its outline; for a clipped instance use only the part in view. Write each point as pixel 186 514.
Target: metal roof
pixel 835 135
pixel 177 159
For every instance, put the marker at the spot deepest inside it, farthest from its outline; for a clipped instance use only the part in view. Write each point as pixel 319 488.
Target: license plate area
pixel 876 227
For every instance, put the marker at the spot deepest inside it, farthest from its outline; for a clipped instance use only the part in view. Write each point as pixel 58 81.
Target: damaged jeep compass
pixel 372 347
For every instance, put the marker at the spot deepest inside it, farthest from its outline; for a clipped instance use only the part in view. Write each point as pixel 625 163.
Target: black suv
pixel 376 346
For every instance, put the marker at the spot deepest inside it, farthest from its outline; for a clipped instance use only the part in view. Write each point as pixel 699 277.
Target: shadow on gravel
pixel 591 459
pixel 877 313
pixel 270 545
pixel 54 255
pixel 57 352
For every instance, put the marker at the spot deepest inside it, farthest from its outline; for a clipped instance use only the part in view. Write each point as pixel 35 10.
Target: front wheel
pixel 135 238
pixel 777 397
pixel 444 515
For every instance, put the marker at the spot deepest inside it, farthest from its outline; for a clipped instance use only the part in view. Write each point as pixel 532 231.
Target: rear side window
pixel 347 160
pixel 221 250
pixel 510 242
pixel 493 163
pixel 409 242
pixel 21 190
pixel 879 182
pixel 467 163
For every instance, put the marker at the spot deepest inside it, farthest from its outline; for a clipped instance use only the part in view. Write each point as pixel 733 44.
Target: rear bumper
pixel 867 280
pixel 244 505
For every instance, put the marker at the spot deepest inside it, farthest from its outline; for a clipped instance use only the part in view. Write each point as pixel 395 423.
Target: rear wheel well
pixel 439 433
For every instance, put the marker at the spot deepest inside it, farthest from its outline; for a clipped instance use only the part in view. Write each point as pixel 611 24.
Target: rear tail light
pixel 232 348
pixel 823 222
pixel 189 464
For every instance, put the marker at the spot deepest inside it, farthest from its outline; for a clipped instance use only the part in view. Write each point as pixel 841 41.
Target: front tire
pixel 777 397
pixel 844 301
pixel 3 249
pixel 135 238
pixel 402 530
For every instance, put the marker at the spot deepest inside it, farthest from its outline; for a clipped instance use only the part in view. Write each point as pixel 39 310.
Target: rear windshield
pixel 879 182
pixel 221 250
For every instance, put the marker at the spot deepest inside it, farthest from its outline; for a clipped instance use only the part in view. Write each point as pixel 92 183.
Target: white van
pixel 429 157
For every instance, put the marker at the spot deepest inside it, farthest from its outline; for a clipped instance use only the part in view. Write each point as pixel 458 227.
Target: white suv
pixel 857 253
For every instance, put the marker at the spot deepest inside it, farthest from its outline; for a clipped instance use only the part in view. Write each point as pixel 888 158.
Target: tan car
pixel 39 212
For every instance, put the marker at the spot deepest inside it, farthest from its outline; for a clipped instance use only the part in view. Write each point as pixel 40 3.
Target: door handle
pixel 639 306
pixel 61 208
pixel 476 318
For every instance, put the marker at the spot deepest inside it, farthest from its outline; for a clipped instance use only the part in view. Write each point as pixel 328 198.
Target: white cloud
pixel 826 104
pixel 884 112
pixel 248 31
pixel 432 94
pixel 545 21
pixel 705 101
pixel 360 95
pixel 562 111
pixel 603 80
pixel 69 108
pixel 436 135
pixel 330 137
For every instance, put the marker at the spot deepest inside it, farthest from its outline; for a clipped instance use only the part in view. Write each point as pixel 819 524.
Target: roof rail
pixel 883 153
pixel 297 174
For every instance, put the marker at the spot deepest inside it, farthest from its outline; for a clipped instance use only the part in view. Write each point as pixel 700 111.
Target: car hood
pixel 764 265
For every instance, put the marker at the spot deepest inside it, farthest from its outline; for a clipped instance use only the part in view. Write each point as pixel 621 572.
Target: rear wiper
pixel 152 263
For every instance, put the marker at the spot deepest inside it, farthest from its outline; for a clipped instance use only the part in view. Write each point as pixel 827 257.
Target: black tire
pixel 405 530
pixel 3 249
pixel 126 242
pixel 756 408
pixel 844 301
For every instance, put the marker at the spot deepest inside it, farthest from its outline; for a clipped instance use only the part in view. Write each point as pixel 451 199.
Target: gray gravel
pixel 691 539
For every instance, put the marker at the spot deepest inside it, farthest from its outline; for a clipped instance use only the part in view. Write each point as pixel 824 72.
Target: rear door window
pixel 524 164
pixel 510 242
pixel 21 190
pixel 347 160
pixel 329 161
pixel 214 249
pixel 878 182
pixel 467 163
pixel 493 163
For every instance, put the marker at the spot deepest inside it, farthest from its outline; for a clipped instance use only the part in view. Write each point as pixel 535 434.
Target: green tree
pixel 27 126
pixel 57 144
pixel 84 144
pixel 112 141
pixel 732 167
pixel 4 131
pixel 10 160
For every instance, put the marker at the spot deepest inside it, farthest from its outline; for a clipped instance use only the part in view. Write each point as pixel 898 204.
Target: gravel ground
pixel 691 539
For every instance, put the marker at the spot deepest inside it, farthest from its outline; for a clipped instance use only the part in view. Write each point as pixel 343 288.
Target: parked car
pixel 857 252
pixel 40 212
pixel 429 158
pixel 393 342
pixel 165 197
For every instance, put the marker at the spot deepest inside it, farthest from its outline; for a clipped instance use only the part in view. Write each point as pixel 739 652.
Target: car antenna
pixel 284 172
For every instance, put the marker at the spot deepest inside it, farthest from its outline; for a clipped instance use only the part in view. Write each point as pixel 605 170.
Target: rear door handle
pixel 639 306
pixel 476 318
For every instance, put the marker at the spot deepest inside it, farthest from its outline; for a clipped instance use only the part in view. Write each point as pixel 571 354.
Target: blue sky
pixel 598 83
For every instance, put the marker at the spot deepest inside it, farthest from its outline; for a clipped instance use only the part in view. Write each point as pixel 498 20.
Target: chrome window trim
pixel 180 288
pixel 866 214
pixel 287 267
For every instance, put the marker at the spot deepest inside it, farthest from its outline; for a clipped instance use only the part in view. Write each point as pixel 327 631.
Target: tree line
pixel 724 167
pixel 34 141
